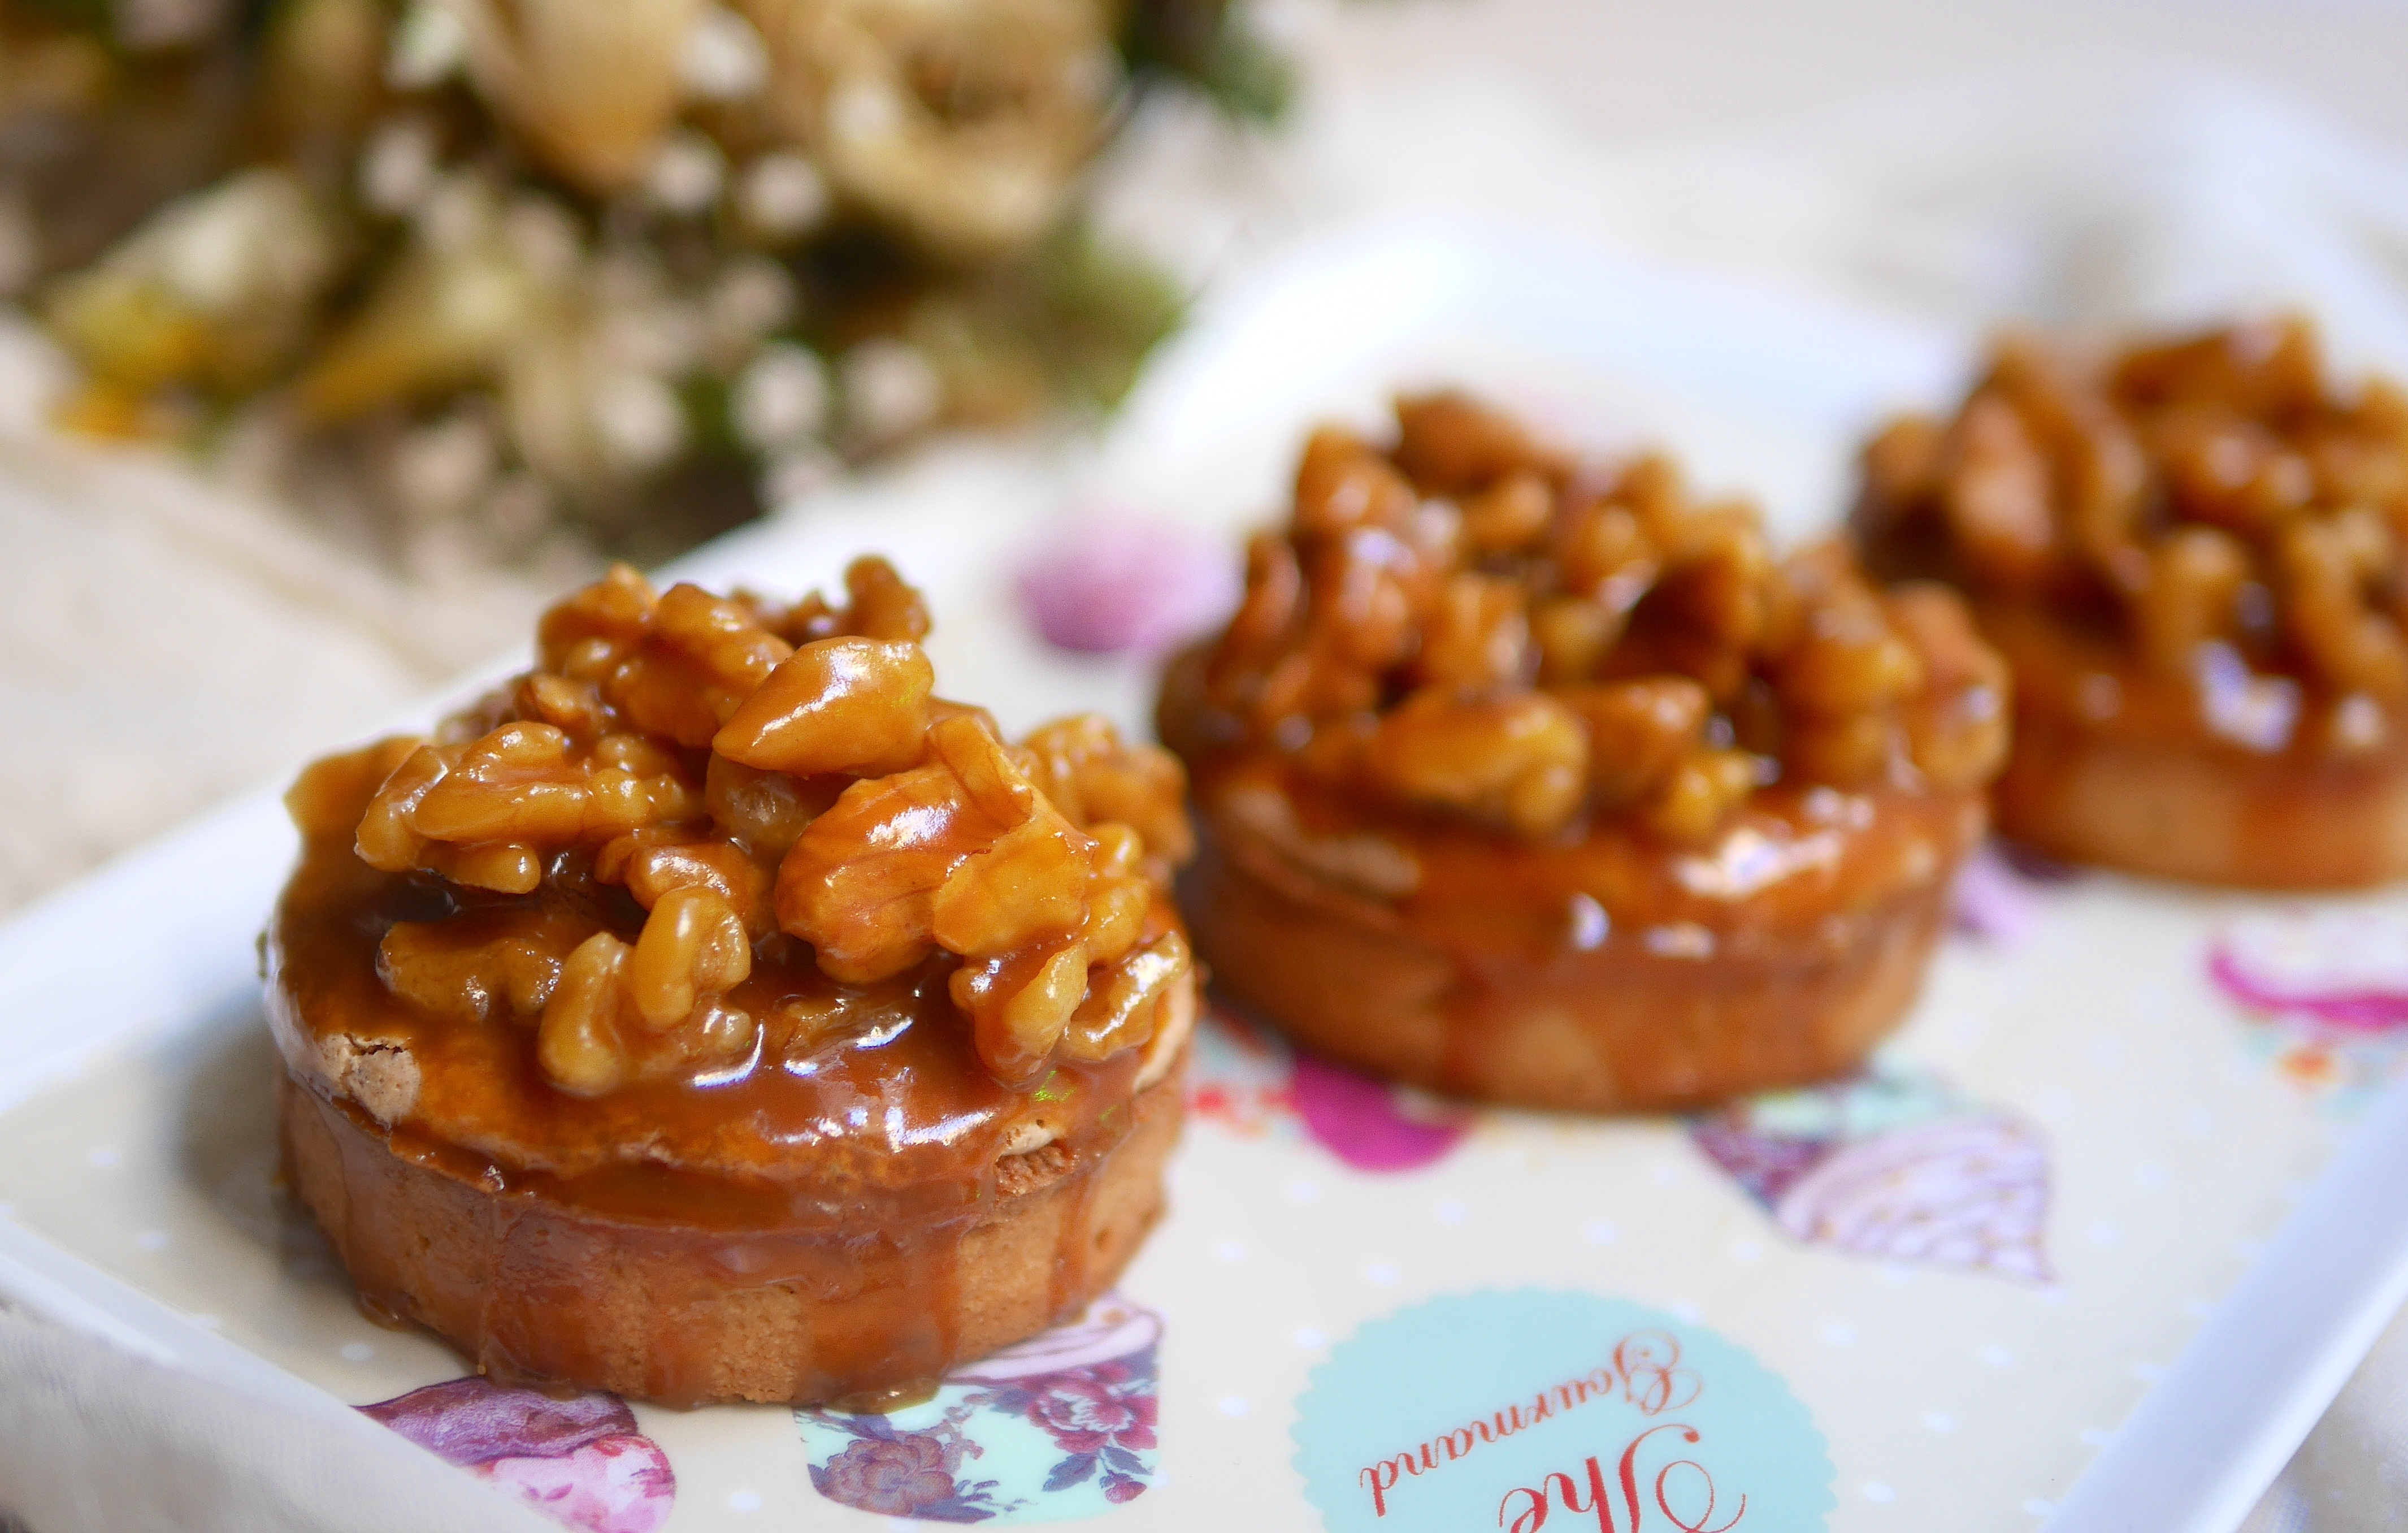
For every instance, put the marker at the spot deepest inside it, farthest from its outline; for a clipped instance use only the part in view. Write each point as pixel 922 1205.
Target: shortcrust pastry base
pixel 537 1291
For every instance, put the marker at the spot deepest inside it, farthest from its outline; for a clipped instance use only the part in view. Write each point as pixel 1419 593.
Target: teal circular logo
pixel 1527 1409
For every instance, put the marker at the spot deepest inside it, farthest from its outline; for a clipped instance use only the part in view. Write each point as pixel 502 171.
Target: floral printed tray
pixel 1926 1296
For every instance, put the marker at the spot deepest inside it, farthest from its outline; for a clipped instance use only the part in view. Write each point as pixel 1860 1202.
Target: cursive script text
pixel 1594 1497
pixel 1643 1370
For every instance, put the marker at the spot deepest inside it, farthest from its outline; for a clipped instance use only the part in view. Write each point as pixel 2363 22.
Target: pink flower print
pixel 1086 1389
pixel 579 1461
pixel 1121 586
pixel 1993 898
pixel 1892 1165
pixel 1361 1120
pixel 1969 1193
pixel 1082 1413
pixel 896 1476
pixel 2346 970
pixel 613 1484
pixel 1763 1164
pixel 468 1421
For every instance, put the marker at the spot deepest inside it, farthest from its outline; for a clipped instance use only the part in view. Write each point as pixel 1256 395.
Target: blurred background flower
pixel 483 280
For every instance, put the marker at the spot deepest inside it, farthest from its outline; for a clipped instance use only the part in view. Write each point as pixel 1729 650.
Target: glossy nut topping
pixel 694 792
pixel 1467 624
pixel 2210 504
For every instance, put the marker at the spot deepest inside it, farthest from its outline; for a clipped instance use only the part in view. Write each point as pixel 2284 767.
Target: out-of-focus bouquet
pixel 470 273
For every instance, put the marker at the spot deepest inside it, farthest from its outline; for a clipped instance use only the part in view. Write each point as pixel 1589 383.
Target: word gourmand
pixel 1644 1371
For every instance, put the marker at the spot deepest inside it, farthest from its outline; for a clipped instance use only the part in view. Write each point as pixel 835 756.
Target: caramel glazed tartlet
pixel 2195 557
pixel 1541 782
pixel 713 1014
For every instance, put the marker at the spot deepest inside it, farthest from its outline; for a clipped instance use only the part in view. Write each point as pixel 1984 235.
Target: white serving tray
pixel 2190 1236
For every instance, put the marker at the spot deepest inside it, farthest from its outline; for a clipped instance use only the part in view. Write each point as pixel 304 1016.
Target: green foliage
pixel 1207 45
pixel 1102 308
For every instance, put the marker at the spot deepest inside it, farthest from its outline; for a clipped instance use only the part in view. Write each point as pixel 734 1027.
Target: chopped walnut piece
pixel 2331 575
pixel 994 782
pixel 858 706
pixel 1029 886
pixel 476 970
pixel 1957 725
pixel 883 606
pixel 641 841
pixel 1699 794
pixel 1542 642
pixel 860 884
pixel 1020 1006
pixel 580 1042
pixel 481 812
pixel 1119 1013
pixel 1573 635
pixel 693 947
pixel 1520 760
pixel 672 665
pixel 654 862
pixel 1996 494
pixel 1849 665
pixel 387 840
pixel 1115 917
pixel 1343 482
pixel 1638 731
pixel 1450 443
pixel 1603 553
pixel 2209 496
pixel 880 603
pixel 706 656
pixel 2194 586
pixel 1084 766
pixel 577 638
pixel 1509 515
pixel 764 810
pixel 331 794
pixel 1263 624
pixel 1477 635
pixel 516 783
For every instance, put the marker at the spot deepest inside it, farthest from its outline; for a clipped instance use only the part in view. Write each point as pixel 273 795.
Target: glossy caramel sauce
pixel 1625 973
pixel 2081 672
pixel 853 1170
pixel 894 1118
pixel 1568 769
pixel 2192 543
pixel 1794 856
pixel 688 1018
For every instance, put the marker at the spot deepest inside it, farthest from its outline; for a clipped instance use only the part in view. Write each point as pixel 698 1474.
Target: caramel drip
pixel 884 1320
pixel 854 1172
pixel 893 1119
pixel 1069 1278
pixel 1810 895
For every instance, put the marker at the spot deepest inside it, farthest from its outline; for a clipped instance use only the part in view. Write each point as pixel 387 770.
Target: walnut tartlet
pixel 1542 782
pixel 713 1013
pixel 2194 555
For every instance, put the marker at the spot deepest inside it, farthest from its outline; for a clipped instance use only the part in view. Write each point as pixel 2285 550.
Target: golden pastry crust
pixel 2147 791
pixel 1661 1020
pixel 533 1288
pixel 1543 782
